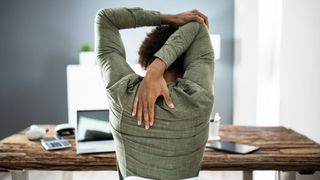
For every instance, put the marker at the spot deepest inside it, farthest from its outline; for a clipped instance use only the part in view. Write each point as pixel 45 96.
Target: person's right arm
pixel 193 39
pixel 153 84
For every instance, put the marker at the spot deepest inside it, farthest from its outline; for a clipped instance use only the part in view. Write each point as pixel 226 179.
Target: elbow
pixel 99 15
pixel 103 15
pixel 199 27
pixel 203 29
pixel 194 26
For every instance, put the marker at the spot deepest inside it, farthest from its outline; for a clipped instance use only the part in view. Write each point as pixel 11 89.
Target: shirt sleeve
pixel 108 44
pixel 193 39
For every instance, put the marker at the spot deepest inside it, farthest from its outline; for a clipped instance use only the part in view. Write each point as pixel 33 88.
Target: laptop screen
pixel 93 125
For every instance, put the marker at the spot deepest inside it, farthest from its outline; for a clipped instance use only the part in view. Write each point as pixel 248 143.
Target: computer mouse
pixel 35 132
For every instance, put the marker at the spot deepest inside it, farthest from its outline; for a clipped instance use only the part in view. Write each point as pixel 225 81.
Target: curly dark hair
pixel 153 42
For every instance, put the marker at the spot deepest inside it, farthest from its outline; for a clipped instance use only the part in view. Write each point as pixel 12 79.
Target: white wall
pixel 277 66
pixel 300 67
pixel 278 36
pixel 245 64
pixel 257 43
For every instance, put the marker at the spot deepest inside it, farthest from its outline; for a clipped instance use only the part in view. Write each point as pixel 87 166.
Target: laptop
pixel 93 132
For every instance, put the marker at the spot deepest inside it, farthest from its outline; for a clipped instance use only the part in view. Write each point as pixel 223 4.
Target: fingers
pixel 151 113
pixel 139 116
pixel 167 98
pixel 197 18
pixel 205 18
pixel 145 114
pixel 135 104
pixel 144 108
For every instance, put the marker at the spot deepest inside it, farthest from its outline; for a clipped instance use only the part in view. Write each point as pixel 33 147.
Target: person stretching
pixel 160 121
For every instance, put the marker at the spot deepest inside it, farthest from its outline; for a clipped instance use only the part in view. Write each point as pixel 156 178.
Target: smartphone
pixel 231 147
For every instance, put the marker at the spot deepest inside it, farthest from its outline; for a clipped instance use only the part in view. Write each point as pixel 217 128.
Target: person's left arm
pixel 108 44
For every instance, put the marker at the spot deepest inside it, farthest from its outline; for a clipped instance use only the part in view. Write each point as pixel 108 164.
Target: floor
pixel 98 175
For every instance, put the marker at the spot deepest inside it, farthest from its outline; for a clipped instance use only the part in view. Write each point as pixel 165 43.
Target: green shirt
pixel 173 147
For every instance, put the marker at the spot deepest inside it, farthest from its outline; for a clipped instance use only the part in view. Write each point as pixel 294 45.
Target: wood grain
pixel 280 149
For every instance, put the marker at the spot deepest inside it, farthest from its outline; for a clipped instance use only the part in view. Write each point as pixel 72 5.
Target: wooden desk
pixel 281 149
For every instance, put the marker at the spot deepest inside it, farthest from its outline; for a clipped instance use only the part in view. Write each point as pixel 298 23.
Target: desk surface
pixel 280 149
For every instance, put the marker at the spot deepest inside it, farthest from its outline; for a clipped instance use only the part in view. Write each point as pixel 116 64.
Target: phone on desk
pixel 231 147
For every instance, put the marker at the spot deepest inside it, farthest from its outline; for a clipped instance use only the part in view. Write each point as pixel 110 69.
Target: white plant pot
pixel 87 58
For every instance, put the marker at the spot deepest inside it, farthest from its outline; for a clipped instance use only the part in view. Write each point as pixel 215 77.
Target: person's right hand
pixel 151 87
pixel 185 17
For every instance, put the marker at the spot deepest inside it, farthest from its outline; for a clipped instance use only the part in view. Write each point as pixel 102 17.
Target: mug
pixel 214 130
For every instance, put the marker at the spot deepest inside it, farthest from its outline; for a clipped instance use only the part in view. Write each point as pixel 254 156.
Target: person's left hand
pixel 151 87
pixel 184 17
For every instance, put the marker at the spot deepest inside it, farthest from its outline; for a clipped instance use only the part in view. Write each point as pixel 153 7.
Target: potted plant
pixel 87 56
